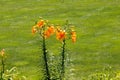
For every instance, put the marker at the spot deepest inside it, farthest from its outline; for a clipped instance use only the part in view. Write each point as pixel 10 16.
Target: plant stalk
pixel 63 60
pixel 45 60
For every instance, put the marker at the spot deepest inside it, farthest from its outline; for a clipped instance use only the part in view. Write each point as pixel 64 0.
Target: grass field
pixel 97 25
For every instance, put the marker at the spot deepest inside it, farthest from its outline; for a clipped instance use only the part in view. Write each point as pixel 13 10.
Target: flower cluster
pixel 46 30
pixel 43 28
pixel 39 25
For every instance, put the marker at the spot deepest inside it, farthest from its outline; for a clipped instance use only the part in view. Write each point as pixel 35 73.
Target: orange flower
pixel 46 34
pixel 73 36
pixel 34 30
pixel 51 29
pixel 60 35
pixel 2 52
pixel 40 23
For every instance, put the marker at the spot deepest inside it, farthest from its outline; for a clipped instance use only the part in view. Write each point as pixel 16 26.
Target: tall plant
pixel 46 30
pixel 64 34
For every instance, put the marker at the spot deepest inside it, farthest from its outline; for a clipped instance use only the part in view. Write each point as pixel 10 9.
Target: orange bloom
pixel 51 29
pixel 73 36
pixel 40 23
pixel 2 52
pixel 34 30
pixel 60 35
pixel 46 34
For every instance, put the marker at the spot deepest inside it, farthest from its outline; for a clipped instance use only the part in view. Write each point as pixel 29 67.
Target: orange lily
pixel 51 29
pixel 40 23
pixel 73 36
pixel 60 35
pixel 34 30
pixel 46 34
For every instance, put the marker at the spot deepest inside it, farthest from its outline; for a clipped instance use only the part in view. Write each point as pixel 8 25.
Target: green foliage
pixel 13 74
pixel 106 74
pixel 55 67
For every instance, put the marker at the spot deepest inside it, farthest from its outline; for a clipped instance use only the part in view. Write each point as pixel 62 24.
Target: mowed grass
pixel 97 25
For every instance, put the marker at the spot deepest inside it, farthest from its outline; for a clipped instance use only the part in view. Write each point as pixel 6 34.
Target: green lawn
pixel 98 33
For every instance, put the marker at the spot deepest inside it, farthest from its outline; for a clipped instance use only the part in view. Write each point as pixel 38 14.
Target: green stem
pixel 63 60
pixel 45 60
pixel 3 68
